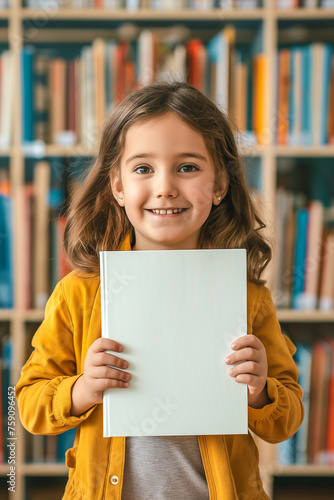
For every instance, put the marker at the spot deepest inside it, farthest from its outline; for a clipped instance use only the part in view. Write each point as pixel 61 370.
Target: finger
pixel 104 344
pixel 247 368
pixel 109 383
pixel 104 358
pixel 106 372
pixel 247 378
pixel 246 341
pixel 245 354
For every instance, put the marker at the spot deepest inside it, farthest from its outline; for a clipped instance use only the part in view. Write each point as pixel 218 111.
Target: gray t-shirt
pixel 163 468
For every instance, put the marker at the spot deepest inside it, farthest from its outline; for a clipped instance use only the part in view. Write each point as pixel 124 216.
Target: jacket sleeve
pixel 45 385
pixel 280 419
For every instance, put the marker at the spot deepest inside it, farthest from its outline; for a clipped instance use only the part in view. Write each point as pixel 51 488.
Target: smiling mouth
pixel 170 211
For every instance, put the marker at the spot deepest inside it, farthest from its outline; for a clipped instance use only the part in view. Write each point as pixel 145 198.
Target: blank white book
pixel 175 312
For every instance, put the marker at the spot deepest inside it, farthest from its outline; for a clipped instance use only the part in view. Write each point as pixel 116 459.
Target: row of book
pixel 307 4
pixel 43 261
pixel 65 101
pixel 305 98
pixel 38 448
pixel 314 440
pixel 134 5
pixel 6 242
pixel 6 97
pixel 5 377
pixel 304 273
pixel 48 449
pixel 174 4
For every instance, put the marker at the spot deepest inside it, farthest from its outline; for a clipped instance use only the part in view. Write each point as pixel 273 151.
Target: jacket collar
pixel 126 243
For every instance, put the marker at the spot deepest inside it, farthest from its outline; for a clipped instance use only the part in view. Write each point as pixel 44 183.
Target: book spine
pixel 299 259
pixel 27 57
pixel 6 252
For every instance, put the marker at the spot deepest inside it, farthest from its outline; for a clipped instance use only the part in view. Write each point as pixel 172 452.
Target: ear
pixel 220 187
pixel 116 187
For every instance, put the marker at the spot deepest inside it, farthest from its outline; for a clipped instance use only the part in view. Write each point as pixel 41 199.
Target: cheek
pixel 134 193
pixel 201 196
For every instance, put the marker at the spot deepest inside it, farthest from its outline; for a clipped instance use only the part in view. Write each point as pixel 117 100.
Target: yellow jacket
pixel 72 323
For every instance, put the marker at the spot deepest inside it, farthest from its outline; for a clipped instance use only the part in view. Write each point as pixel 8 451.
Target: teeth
pixel 162 212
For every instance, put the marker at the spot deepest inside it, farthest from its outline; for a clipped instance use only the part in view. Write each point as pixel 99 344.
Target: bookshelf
pixel 21 25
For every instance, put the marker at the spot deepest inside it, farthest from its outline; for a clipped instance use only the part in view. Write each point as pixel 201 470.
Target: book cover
pixel 260 98
pixel 303 359
pixel 330 425
pixel 240 95
pixel 28 213
pixel 331 106
pixel 218 56
pixel 58 92
pixel 295 96
pixel 313 254
pixel 99 57
pixel 325 93
pixel 283 96
pixel 299 258
pixel 42 97
pixel 6 251
pixel 6 91
pixel 326 291
pixel 27 93
pixel 42 175
pixel 320 376
pixel 162 306
pixel 306 109
pixel 317 51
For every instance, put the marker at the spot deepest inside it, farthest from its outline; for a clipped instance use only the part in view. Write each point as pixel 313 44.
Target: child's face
pixel 168 177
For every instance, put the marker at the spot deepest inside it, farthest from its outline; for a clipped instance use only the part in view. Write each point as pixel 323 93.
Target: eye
pixel 190 166
pixel 140 168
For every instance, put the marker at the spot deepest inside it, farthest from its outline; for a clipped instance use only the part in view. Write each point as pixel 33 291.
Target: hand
pixel 252 368
pixel 100 373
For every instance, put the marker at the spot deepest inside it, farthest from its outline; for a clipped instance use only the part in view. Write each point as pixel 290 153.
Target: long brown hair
pixel 95 220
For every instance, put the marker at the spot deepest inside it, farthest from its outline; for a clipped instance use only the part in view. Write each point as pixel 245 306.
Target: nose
pixel 165 186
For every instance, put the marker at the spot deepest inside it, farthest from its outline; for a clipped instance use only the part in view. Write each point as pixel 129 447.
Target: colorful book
pixel 313 254
pixel 303 358
pixel 326 291
pixel 42 175
pixel 321 367
pixel 283 96
pixel 27 93
pixel 299 258
pixel 6 251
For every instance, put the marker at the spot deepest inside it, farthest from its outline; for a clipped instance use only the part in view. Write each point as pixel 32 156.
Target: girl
pixel 167 176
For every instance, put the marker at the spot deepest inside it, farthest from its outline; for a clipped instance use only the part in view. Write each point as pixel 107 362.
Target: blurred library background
pixel 270 65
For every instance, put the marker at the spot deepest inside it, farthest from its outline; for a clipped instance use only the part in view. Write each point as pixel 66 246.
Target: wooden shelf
pixel 302 470
pixel 312 151
pixel 303 14
pixel 28 315
pixel 148 14
pixel 4 469
pixel 290 316
pixel 75 150
pixel 7 314
pixel 245 150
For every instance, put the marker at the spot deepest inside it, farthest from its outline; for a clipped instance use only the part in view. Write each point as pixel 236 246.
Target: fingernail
pixel 227 360
pixel 233 346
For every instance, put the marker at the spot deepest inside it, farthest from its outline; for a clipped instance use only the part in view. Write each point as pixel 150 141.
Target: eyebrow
pixel 181 155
